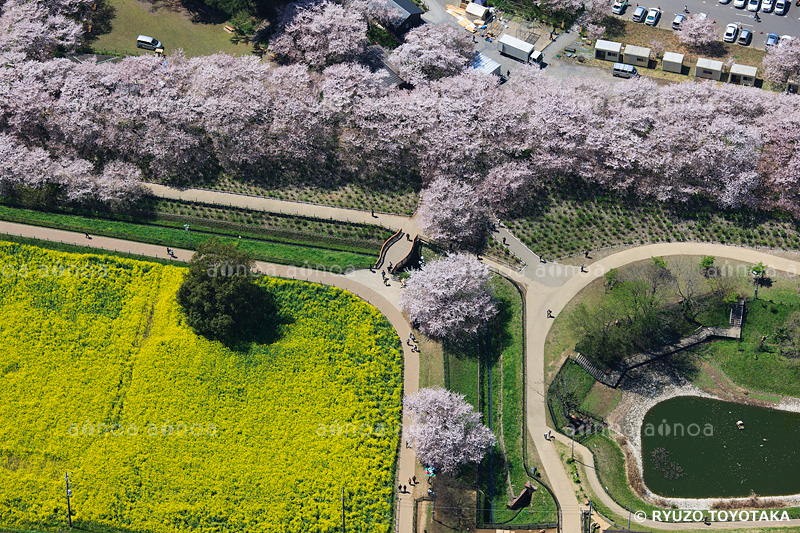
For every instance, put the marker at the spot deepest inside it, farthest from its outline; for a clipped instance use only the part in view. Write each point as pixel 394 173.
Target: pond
pixel 693 448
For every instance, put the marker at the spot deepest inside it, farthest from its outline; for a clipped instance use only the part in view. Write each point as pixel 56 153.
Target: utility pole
pixel 69 493
pixel 343 530
pixel 186 227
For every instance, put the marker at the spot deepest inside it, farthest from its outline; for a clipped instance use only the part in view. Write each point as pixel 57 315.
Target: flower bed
pixel 162 430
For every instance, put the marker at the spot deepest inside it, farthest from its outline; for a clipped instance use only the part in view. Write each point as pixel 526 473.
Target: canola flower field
pixel 164 431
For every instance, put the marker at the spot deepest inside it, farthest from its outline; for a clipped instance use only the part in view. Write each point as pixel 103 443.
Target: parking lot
pixel 724 14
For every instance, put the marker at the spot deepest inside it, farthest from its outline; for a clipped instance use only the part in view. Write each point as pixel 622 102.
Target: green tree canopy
pixel 221 298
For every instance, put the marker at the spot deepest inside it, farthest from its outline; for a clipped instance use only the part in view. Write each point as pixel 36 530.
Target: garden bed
pixel 565 224
pixel 164 430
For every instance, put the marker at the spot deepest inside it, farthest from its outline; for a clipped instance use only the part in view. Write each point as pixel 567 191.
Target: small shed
pixel 793 85
pixel 478 11
pixel 708 69
pixel 672 62
pixel 743 75
pixel 410 15
pixel 486 64
pixel 607 50
pixel 636 56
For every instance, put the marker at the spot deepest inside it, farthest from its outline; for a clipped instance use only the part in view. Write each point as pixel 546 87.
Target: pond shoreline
pixel 647 386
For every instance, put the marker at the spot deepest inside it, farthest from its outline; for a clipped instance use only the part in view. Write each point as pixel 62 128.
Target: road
pixel 724 14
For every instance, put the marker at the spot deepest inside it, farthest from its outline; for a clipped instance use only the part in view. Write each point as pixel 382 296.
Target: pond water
pixel 692 448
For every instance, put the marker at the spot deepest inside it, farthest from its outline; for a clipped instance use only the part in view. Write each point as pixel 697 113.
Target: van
pixel 622 70
pixel 148 43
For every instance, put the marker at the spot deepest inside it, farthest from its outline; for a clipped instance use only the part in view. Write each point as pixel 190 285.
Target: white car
pixel 781 6
pixel 739 3
pixel 767 6
pixel 731 31
pixel 653 16
pixel 753 5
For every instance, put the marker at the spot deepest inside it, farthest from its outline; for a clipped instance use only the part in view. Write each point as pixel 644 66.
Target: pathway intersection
pixel 545 289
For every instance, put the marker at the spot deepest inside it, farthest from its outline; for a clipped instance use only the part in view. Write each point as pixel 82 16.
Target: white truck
pixel 518 49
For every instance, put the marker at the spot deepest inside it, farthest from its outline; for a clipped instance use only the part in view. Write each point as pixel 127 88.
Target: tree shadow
pixel 615 27
pixel 203 14
pixel 266 325
pixel 714 49
pixel 100 17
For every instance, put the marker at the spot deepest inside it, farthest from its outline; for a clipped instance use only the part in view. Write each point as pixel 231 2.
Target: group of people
pixel 411 482
pixel 171 253
pixel 412 341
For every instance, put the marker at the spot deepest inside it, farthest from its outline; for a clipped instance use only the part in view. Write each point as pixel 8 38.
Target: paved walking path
pixel 542 293
pixel 272 205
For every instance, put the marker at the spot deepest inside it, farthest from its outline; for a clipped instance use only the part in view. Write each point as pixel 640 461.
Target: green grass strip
pixel 287 254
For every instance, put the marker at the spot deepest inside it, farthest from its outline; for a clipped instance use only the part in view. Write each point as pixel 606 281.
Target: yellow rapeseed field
pixel 163 431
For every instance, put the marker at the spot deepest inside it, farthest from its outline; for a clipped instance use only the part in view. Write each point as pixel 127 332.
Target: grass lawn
pixel 504 350
pixel 763 370
pixel 171 26
pixel 175 236
pixel 164 431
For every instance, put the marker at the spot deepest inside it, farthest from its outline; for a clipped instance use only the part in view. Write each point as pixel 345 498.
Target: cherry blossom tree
pixel 452 211
pixel 698 31
pixel 38 28
pixel 782 61
pixel 431 52
pixel 509 186
pixel 594 31
pixel 319 33
pixel 450 298
pixel 446 431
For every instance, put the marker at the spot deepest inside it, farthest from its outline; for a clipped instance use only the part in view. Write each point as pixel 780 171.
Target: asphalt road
pixel 724 14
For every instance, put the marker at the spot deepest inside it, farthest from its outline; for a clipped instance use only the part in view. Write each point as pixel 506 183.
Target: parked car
pixel 772 40
pixel 781 6
pixel 724 1
pixel 731 31
pixel 653 16
pixel 619 7
pixel 677 21
pixel 148 43
pixel 639 14
pixel 753 5
pixel 745 37
pixel 621 70
pixel 739 3
pixel 767 6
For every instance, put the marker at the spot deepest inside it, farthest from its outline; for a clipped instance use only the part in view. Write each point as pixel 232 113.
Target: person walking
pixel 755 16
pixel 685 9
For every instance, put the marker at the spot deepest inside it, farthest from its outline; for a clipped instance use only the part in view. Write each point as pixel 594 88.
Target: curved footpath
pixel 546 289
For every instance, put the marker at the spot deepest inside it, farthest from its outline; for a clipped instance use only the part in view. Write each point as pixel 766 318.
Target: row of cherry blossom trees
pixel 475 146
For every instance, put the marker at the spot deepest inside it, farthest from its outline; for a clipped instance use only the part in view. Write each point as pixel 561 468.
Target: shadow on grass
pixel 100 18
pixel 615 27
